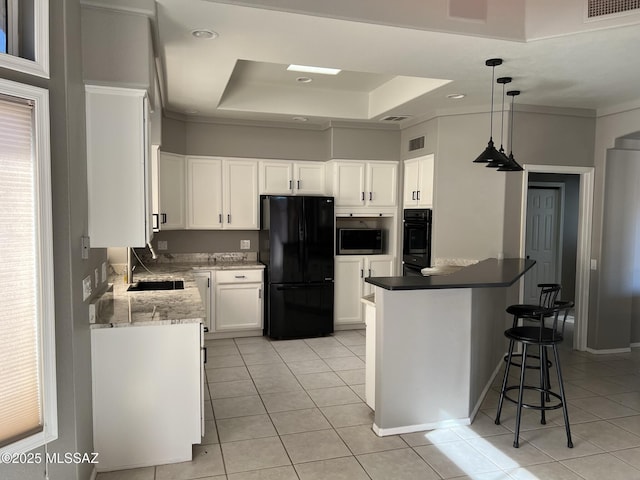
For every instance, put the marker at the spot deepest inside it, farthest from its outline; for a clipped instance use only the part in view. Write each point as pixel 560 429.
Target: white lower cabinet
pixel 148 387
pixel 350 272
pixel 233 301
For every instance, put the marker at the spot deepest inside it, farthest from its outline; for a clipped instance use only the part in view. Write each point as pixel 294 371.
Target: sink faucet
pixel 130 266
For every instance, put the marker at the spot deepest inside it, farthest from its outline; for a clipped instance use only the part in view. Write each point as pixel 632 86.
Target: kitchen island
pixel 439 341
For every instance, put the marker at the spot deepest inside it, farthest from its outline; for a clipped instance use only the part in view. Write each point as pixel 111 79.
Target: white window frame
pixel 44 242
pixel 39 66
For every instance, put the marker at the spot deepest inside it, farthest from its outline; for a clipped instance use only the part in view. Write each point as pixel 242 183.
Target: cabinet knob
pixel 219 218
pixel 363 196
pixel 298 184
pixel 290 184
pixel 361 273
pixel 229 218
pixel 370 196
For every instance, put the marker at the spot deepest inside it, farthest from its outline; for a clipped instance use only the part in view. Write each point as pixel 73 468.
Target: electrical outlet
pixel 104 272
pixel 163 245
pixel 245 244
pixel 86 288
pixel 594 264
pixel 92 313
pixel 95 278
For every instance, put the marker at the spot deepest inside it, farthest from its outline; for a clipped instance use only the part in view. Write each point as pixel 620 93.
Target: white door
pixel 276 178
pixel 203 281
pixel 542 240
pixel 382 184
pixel 171 197
pixel 424 194
pixel 240 194
pixel 348 185
pixel 377 267
pixel 349 274
pixel 308 178
pixel 238 306
pixel 410 190
pixel 204 193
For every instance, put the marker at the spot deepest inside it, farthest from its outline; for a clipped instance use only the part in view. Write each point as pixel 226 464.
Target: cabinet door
pixel 377 267
pixel 171 192
pixel 348 184
pixel 118 160
pixel 410 190
pixel 238 306
pixel 308 178
pixel 203 280
pixel 349 273
pixel 382 182
pixel 276 178
pixel 425 181
pixel 240 194
pixel 204 198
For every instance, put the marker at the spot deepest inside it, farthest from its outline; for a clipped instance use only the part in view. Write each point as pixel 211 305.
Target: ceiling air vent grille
pixel 416 143
pixel 599 8
pixel 394 118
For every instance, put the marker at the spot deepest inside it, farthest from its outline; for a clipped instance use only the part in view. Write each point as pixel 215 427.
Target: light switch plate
pixel 245 244
pixel 104 272
pixel 96 278
pixel 86 287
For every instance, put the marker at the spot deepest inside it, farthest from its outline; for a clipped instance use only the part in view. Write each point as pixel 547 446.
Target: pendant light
pixel 490 153
pixel 503 157
pixel 511 165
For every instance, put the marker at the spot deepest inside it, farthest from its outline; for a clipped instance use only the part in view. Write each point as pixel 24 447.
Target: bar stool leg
pixel 546 366
pixel 543 385
pixel 562 396
pixel 504 381
pixel 516 442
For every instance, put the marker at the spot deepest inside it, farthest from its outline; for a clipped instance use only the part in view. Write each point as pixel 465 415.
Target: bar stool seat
pixel 543 337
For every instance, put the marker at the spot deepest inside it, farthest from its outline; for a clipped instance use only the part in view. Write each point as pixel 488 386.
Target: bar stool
pixel 548 297
pixel 542 336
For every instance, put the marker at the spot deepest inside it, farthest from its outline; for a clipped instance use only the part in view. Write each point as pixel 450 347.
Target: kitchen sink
pixel 150 285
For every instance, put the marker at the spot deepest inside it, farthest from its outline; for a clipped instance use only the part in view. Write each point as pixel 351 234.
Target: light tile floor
pixel 281 410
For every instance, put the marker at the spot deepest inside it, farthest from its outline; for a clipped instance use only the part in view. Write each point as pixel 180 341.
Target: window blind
pixel 20 305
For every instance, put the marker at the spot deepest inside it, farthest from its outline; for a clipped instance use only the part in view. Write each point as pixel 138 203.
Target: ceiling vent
pixel 394 118
pixel 599 8
pixel 416 143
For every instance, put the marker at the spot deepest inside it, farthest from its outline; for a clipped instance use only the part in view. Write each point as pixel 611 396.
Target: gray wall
pixel 364 143
pixel 205 241
pixel 68 160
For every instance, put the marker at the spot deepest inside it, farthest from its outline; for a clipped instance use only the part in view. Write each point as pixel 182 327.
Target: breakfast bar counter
pixel 439 341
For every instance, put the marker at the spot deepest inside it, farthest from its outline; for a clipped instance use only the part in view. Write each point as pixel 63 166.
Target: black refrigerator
pixel 296 245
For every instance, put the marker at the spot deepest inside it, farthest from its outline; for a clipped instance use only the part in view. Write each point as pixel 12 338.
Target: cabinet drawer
pixel 239 276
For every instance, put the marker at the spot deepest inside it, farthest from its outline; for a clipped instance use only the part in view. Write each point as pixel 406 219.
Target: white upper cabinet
pixel 222 193
pixel 204 193
pixel 240 194
pixel 118 163
pixel 283 177
pixel 418 182
pixel 308 178
pixel 170 210
pixel 365 184
pixel 382 184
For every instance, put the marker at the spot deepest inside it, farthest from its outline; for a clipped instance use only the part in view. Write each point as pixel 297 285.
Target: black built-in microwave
pixel 359 241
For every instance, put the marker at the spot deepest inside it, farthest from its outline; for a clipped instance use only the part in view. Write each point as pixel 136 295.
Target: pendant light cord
pixel 493 74
pixel 502 118
pixel 511 127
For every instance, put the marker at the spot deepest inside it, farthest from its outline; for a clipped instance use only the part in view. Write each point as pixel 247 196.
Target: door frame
pixel 583 254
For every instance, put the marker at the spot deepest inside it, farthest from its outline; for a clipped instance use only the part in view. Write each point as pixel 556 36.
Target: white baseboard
pixel 609 350
pixel 383 432
pixel 635 345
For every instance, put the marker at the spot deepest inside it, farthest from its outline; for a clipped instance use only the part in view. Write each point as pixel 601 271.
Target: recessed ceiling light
pixel 456 96
pixel 310 69
pixel 204 34
pixel 304 80
pixel 301 119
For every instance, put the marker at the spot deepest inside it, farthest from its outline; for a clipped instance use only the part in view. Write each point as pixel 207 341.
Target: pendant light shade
pixel 511 165
pixel 503 159
pixel 490 153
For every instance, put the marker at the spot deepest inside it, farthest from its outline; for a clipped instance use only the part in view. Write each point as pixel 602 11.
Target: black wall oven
pixel 416 247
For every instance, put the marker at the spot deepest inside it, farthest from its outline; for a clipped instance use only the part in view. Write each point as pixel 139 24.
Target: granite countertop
pixel 487 273
pixel 119 308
